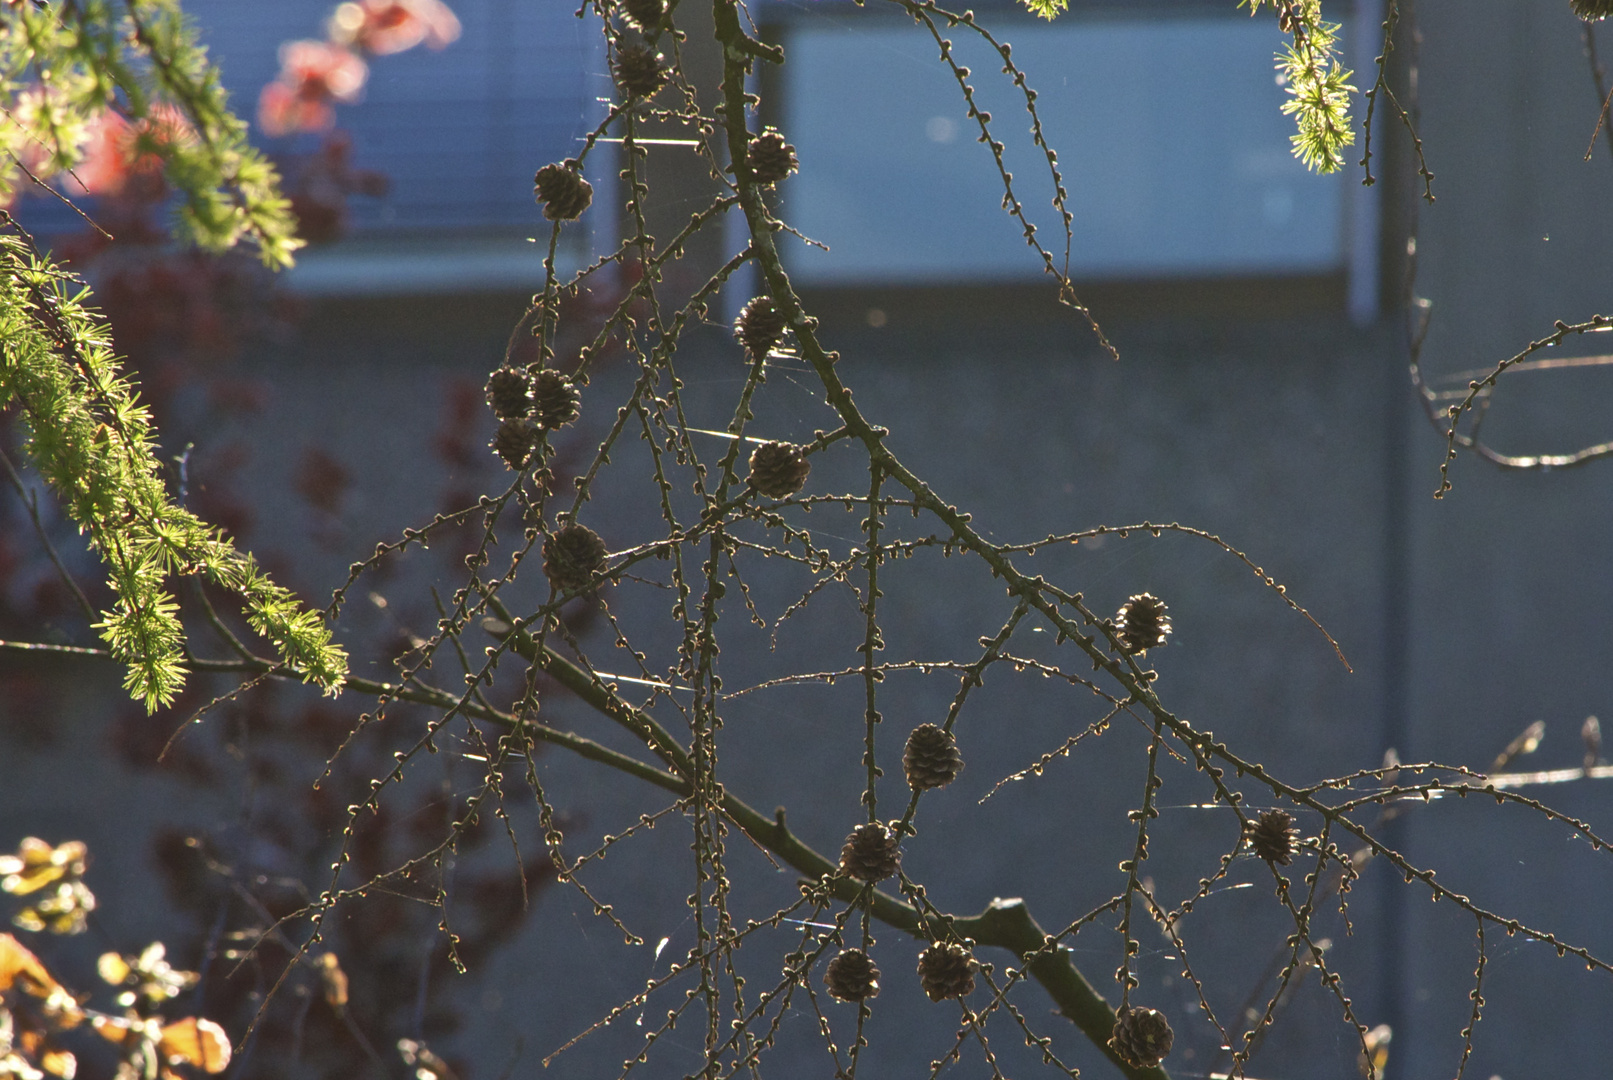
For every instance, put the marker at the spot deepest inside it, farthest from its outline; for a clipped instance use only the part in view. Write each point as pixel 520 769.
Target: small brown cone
pixel 644 14
pixel 640 71
pixel 571 555
pixel 562 191
pixel 946 971
pixel 771 158
pixel 1592 9
pixel 509 393
pixel 931 759
pixel 514 440
pixel 760 326
pixel 872 853
pixel 1142 1037
pixel 555 400
pixel 1142 623
pixel 852 976
pixel 778 469
pixel 1271 836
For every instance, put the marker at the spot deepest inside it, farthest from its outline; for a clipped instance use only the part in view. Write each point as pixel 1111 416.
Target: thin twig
pixel 30 500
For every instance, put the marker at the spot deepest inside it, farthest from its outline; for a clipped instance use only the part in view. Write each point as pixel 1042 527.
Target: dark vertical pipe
pixel 1396 604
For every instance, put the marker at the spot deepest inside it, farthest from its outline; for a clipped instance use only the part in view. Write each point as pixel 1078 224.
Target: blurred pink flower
pixel 313 74
pixel 382 27
pixel 105 166
pixel 117 148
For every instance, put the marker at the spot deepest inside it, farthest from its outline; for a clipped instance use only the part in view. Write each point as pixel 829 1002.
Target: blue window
pixel 460 132
pixel 1166 121
pixel 457 133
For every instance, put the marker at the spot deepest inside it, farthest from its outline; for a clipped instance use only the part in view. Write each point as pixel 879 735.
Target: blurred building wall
pixel 1251 408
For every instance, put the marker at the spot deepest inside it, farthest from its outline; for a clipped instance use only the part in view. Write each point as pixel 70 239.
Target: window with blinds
pixel 457 133
pixel 1166 119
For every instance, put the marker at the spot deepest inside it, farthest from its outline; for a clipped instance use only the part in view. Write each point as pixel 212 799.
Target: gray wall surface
pixel 1508 585
pixel 1270 434
pixel 1293 437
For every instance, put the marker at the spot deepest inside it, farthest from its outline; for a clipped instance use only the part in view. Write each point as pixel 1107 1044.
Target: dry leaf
pixel 1376 1056
pixel 426 1065
pixel 19 967
pixel 37 864
pixel 194 1041
pixel 335 980
pixel 59 1063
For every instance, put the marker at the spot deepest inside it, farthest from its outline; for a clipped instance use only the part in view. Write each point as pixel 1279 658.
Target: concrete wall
pixel 1508 583
pixel 1289 433
pixel 1269 433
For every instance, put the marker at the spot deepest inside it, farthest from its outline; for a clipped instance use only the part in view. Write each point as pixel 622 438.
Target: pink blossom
pixel 313 75
pixel 116 149
pixel 382 27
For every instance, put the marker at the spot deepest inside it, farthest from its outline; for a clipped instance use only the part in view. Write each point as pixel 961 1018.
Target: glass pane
pixel 1170 138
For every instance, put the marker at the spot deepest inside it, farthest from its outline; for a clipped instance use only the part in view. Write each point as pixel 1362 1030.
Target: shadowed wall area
pixel 1251 408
